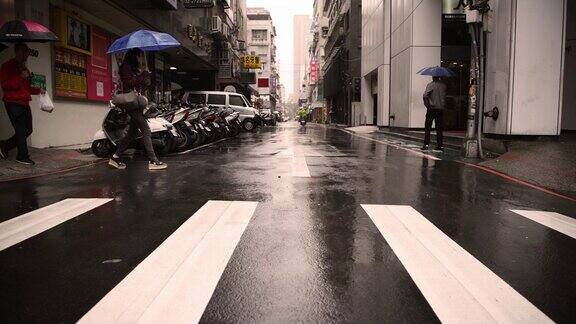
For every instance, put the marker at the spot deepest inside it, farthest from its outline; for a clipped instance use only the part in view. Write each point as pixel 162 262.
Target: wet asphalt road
pixel 310 252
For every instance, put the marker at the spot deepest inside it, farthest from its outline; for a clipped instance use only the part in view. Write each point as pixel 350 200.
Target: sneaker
pixel 3 153
pixel 117 163
pixel 157 165
pixel 424 148
pixel 25 161
pixel 439 149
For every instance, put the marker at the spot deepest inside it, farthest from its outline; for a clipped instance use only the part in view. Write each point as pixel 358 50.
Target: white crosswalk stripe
pixel 555 221
pixel 458 287
pixel 23 227
pixel 175 283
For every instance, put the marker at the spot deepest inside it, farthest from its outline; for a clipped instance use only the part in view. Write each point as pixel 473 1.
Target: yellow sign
pixel 251 62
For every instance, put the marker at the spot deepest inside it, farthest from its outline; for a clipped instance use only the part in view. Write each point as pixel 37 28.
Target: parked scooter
pixel 178 114
pixel 115 125
pixel 268 118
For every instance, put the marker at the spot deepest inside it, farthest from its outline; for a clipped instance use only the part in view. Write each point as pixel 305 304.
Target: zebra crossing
pixel 177 280
pixel 20 228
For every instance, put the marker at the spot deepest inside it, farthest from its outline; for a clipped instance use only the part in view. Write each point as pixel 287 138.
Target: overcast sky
pixel 282 12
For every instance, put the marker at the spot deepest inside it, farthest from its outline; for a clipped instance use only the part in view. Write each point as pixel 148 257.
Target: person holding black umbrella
pixel 15 80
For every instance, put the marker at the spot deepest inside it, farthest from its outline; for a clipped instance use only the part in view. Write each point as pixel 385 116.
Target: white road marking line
pixel 23 227
pixel 175 283
pixel 300 167
pixel 459 288
pixel 563 224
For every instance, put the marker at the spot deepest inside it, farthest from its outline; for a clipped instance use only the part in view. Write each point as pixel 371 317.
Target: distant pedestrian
pixel 435 102
pixel 135 77
pixel 15 79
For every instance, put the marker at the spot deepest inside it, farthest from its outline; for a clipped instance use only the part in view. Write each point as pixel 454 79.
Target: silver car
pixel 249 116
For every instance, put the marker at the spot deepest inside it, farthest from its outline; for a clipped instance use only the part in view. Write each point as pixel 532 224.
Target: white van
pixel 249 116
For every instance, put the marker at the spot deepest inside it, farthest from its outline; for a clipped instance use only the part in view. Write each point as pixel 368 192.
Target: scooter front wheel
pixel 168 144
pixel 102 148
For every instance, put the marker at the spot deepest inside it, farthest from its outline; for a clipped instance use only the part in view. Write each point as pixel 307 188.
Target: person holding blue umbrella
pixel 435 102
pixel 135 79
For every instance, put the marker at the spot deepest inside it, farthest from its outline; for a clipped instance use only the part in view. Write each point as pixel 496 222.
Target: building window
pixel 259 35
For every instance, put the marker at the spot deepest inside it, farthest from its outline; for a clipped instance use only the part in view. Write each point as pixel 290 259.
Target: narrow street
pixel 289 224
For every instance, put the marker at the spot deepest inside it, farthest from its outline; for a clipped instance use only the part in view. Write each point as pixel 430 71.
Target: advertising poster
pixel 70 74
pixel 99 69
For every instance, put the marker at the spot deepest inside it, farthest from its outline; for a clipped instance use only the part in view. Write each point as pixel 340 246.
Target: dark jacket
pixel 16 89
pixel 133 79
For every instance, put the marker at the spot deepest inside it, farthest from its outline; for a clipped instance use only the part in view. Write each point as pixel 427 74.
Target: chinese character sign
pixel 314 71
pixel 250 62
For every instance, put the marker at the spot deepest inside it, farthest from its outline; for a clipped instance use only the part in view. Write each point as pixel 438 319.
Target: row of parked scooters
pixel 175 127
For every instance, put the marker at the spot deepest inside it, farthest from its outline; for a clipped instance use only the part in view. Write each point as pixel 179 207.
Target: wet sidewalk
pixel 48 161
pixel 549 164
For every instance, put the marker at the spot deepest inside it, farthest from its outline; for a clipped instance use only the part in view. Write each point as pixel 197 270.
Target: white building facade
pixel 261 42
pixel 529 63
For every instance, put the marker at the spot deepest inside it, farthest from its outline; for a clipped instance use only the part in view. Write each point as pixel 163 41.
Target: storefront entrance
pixel 455 54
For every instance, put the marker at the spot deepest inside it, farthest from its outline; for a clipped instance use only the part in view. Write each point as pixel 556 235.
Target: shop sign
pixel 313 71
pixel 191 4
pixel 251 62
pixel 273 85
pixel 70 74
pixel 263 83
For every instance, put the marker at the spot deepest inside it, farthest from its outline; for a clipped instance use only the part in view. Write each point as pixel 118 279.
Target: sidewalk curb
pixel 519 181
pixel 38 175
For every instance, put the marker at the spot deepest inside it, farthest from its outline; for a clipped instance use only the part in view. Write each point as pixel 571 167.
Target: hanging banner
pixel 313 71
pixel 99 68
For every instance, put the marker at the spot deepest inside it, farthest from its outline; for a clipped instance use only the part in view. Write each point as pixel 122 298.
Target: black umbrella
pixel 24 31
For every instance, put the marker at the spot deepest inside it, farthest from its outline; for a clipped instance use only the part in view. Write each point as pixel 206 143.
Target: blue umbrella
pixel 145 40
pixel 436 71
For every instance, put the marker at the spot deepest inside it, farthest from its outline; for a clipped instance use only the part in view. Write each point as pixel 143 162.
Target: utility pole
pixel 475 11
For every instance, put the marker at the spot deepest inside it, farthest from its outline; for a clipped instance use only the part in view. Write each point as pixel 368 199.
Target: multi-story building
pixel 319 34
pixel 261 42
pixel 530 63
pixel 341 70
pixel 80 76
pixel 301 57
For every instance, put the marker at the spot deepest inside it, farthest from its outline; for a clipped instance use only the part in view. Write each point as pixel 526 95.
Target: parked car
pixel 249 116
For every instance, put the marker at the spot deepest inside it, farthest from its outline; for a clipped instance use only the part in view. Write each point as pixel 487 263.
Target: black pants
pixel 21 119
pixel 436 116
pixel 137 122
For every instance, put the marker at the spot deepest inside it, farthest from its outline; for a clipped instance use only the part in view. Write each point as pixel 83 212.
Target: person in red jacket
pixel 16 84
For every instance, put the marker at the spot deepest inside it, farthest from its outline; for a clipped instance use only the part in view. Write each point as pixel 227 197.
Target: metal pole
pixel 481 90
pixel 470 149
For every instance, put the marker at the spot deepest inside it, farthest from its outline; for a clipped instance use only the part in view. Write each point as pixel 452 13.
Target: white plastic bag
pixel 46 103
